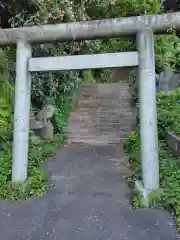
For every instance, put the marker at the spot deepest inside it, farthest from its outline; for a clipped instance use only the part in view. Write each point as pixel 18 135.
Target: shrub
pixel 36 184
pixel 6 100
pixel 168 109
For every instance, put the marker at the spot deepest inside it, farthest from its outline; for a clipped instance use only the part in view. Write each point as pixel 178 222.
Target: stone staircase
pixel 103 114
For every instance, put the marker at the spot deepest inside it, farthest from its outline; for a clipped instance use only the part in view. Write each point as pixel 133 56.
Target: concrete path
pixel 90 201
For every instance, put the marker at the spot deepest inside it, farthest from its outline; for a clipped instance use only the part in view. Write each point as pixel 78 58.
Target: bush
pixel 58 88
pixel 168 110
pixel 36 184
pixel 6 100
pixel 167 49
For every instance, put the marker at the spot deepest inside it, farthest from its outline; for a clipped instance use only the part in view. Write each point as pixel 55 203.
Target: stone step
pixel 110 112
pixel 107 88
pixel 91 127
pixel 114 93
pixel 89 135
pixel 95 136
pixel 100 125
pixel 99 137
pixel 97 140
pixel 103 109
pixel 103 115
pixel 95 130
pixel 99 98
pixel 97 102
pixel 119 120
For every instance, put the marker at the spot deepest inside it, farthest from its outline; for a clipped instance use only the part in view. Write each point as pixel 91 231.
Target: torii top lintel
pixel 96 29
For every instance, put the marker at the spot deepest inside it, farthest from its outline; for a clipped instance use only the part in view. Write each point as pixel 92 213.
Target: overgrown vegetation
pixel 60 88
pixel 36 184
pixel 6 92
pixel 168 109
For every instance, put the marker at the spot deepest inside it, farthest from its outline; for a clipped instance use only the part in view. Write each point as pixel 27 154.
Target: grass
pixel 169 181
pixel 168 119
pixel 36 184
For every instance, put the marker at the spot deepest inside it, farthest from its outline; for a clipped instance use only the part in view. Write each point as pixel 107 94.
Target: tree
pixel 37 12
pixel 171 5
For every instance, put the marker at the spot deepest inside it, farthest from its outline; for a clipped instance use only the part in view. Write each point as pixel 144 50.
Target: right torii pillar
pixel 148 114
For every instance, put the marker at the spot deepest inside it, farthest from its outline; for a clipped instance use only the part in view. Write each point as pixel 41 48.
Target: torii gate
pixel 140 26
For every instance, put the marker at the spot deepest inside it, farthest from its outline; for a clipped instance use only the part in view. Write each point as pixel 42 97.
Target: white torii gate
pixel 141 26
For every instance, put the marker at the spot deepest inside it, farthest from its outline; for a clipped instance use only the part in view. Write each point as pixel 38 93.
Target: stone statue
pixel 165 81
pixel 46 113
pixel 41 123
pixel 168 81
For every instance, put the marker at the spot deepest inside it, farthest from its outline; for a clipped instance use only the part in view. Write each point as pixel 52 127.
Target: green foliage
pixel 87 77
pixel 104 75
pixel 117 45
pixel 110 46
pixel 59 11
pixel 168 109
pixel 168 119
pixel 36 184
pixel 6 99
pixel 167 49
pixel 169 179
pixel 58 88
pixel 97 9
pixel 133 86
pixel 60 119
pixel 132 143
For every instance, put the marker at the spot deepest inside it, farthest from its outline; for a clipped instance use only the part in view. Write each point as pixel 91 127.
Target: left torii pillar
pixel 21 113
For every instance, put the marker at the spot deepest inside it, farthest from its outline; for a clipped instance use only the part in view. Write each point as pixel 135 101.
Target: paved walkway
pixel 90 202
